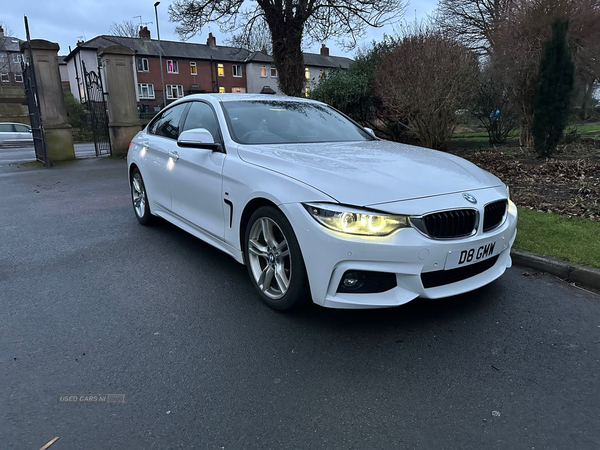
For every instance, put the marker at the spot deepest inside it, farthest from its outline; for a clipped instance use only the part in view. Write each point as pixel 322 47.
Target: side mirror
pixel 370 131
pixel 198 138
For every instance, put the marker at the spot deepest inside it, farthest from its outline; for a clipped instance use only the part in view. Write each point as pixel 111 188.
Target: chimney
pixel 264 49
pixel 144 33
pixel 212 41
pixel 79 43
pixel 1 31
pixel 324 50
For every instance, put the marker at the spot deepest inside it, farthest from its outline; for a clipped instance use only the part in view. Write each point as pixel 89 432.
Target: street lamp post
pixel 162 77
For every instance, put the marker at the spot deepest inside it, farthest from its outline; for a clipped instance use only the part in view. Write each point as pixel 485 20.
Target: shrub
pixel 424 80
pixel 494 106
pixel 77 114
pixel 571 135
pixel 352 92
pixel 553 91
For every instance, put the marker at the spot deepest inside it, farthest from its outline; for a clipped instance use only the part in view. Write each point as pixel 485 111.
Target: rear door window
pixel 22 129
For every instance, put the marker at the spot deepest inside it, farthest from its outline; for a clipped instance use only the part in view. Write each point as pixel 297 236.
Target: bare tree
pixel 257 39
pixel 474 22
pixel 494 105
pixel 289 21
pixel 126 29
pixel 584 39
pixel 518 47
pixel 8 31
pixel 425 80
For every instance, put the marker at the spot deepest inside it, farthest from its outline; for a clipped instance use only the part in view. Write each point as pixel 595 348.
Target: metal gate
pixel 35 116
pixel 96 104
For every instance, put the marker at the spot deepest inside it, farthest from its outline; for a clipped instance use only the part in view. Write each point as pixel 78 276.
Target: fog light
pixel 350 280
pixel 366 282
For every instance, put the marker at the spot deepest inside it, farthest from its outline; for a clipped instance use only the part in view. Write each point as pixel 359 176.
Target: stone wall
pixel 13 105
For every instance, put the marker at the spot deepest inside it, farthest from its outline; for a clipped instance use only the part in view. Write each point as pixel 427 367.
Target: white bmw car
pixel 316 206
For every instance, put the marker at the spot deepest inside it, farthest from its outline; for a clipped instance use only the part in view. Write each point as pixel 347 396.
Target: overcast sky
pixel 66 21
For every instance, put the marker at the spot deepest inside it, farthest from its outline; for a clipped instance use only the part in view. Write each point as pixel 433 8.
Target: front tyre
pixel 139 198
pixel 274 260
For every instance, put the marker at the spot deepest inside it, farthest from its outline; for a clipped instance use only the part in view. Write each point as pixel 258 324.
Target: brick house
pixel 188 68
pixel 13 105
pixel 10 60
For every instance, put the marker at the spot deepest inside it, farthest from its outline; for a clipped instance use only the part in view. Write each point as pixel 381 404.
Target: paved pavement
pixel 13 155
pixel 94 303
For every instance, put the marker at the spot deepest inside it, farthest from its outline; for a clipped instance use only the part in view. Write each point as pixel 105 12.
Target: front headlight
pixel 350 220
pixel 508 191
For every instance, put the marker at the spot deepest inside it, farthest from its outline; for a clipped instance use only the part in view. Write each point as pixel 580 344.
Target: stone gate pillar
pixel 123 121
pixel 59 138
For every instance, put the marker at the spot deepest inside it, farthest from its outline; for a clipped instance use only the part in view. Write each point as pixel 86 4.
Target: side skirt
pixel 201 234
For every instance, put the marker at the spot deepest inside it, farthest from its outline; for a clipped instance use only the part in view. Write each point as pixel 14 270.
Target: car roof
pixel 248 97
pixel 14 123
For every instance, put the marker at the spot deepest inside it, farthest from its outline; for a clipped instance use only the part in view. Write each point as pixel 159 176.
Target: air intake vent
pixel 494 215
pixel 444 277
pixel 448 224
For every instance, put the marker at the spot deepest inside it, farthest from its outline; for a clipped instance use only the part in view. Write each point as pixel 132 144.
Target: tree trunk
pixel 587 95
pixel 289 60
pixel 525 136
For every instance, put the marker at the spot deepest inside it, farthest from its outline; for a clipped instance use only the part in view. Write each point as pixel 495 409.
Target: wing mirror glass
pixel 198 138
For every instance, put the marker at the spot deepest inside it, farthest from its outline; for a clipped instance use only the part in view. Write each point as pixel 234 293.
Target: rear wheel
pixel 274 260
pixel 139 198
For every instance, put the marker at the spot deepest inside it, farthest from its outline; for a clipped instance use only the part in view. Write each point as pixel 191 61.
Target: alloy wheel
pixel 138 194
pixel 269 258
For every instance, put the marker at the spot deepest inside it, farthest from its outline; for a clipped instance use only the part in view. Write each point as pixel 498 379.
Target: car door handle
pixel 174 155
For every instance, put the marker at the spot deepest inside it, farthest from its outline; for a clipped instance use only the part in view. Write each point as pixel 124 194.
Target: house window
pixel 306 92
pixel 237 70
pixel 193 68
pixel 307 73
pixel 145 90
pixel 263 71
pixel 17 57
pixel 174 91
pixel 321 73
pixel 238 90
pixel 172 66
pixel 273 72
pixel 221 90
pixel 5 78
pixel 19 77
pixel 220 70
pixel 142 65
pixel 3 58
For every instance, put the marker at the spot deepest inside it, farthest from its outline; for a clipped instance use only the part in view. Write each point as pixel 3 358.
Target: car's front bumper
pixel 406 253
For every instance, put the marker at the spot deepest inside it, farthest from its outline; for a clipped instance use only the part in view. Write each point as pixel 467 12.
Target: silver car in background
pixel 15 135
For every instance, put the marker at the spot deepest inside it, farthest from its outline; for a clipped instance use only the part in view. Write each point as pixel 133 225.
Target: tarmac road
pixel 94 303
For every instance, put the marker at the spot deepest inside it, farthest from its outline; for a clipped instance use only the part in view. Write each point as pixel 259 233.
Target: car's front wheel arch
pixel 274 259
pixel 249 209
pixel 132 167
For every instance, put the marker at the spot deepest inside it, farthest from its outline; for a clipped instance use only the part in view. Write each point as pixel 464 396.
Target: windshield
pixel 284 122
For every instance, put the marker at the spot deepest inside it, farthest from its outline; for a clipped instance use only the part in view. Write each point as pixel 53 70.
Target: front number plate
pixel 472 255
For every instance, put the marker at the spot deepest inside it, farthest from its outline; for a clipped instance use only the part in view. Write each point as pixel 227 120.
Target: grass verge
pixel 31 164
pixel 571 238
